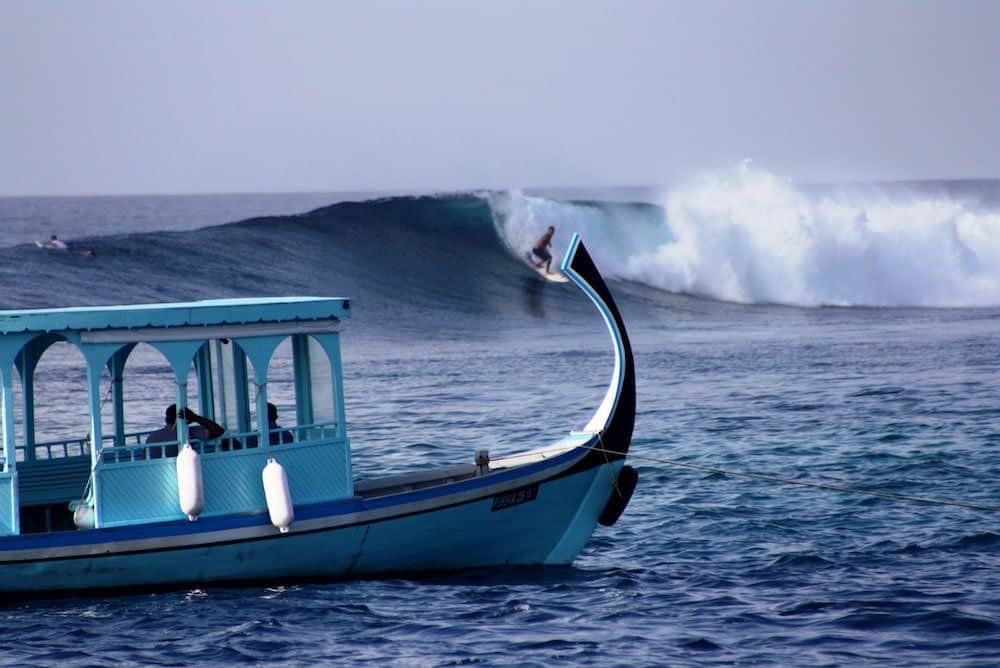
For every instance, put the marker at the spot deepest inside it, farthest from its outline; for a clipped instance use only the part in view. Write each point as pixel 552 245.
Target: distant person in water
pixel 541 250
pixel 54 243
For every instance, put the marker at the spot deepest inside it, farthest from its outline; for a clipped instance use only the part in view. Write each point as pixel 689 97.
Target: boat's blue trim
pixel 355 505
pixel 180 314
pixel 547 527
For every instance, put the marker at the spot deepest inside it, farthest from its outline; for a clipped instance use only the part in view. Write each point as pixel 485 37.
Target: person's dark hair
pixel 272 412
pixel 171 414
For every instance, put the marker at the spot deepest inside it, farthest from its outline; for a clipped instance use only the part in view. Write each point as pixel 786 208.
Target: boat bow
pixel 615 418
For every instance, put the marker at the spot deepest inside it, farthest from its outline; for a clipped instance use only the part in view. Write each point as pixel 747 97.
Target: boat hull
pixel 524 520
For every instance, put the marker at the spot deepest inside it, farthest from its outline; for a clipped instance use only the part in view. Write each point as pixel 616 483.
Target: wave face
pixel 404 260
pixel 742 236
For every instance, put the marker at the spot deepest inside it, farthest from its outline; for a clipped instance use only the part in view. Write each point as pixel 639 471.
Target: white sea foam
pixel 746 235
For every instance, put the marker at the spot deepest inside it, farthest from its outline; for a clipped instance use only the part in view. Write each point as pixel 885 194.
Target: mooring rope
pixel 804 483
pixel 607 460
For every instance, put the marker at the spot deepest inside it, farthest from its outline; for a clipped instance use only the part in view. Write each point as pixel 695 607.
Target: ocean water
pixel 844 335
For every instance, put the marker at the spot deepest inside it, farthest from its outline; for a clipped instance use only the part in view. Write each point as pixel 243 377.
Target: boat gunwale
pixel 80 544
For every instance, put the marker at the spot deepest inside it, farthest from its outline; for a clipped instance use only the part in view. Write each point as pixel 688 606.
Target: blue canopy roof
pixel 179 314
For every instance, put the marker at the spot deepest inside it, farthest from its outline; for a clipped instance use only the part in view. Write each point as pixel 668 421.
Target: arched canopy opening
pixel 303 384
pixel 115 371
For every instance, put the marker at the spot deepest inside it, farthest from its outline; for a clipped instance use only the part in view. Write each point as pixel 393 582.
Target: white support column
pixel 10 450
pixel 96 437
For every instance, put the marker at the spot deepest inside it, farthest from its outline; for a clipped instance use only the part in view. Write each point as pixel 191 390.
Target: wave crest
pixel 745 235
pixel 748 236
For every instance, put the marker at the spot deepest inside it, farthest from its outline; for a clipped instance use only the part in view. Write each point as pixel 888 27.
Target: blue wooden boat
pixel 117 510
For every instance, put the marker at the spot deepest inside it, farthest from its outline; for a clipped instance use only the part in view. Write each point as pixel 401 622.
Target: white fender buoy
pixel 190 491
pixel 279 499
pixel 83 517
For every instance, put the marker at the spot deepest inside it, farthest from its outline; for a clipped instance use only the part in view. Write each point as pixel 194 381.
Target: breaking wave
pixel 748 236
pixel 742 235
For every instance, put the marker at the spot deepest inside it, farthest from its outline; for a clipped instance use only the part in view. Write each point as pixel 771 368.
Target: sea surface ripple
pixel 703 568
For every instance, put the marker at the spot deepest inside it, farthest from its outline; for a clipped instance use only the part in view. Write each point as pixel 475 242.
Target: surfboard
pixel 551 277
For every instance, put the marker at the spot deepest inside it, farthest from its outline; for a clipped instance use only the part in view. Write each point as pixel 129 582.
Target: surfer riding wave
pixel 541 251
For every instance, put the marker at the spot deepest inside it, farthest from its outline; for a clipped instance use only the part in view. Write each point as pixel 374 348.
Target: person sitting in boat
pixel 203 429
pixel 274 437
pixel 541 250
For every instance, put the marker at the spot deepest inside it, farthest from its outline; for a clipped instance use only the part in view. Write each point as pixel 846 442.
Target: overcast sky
pixel 150 97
